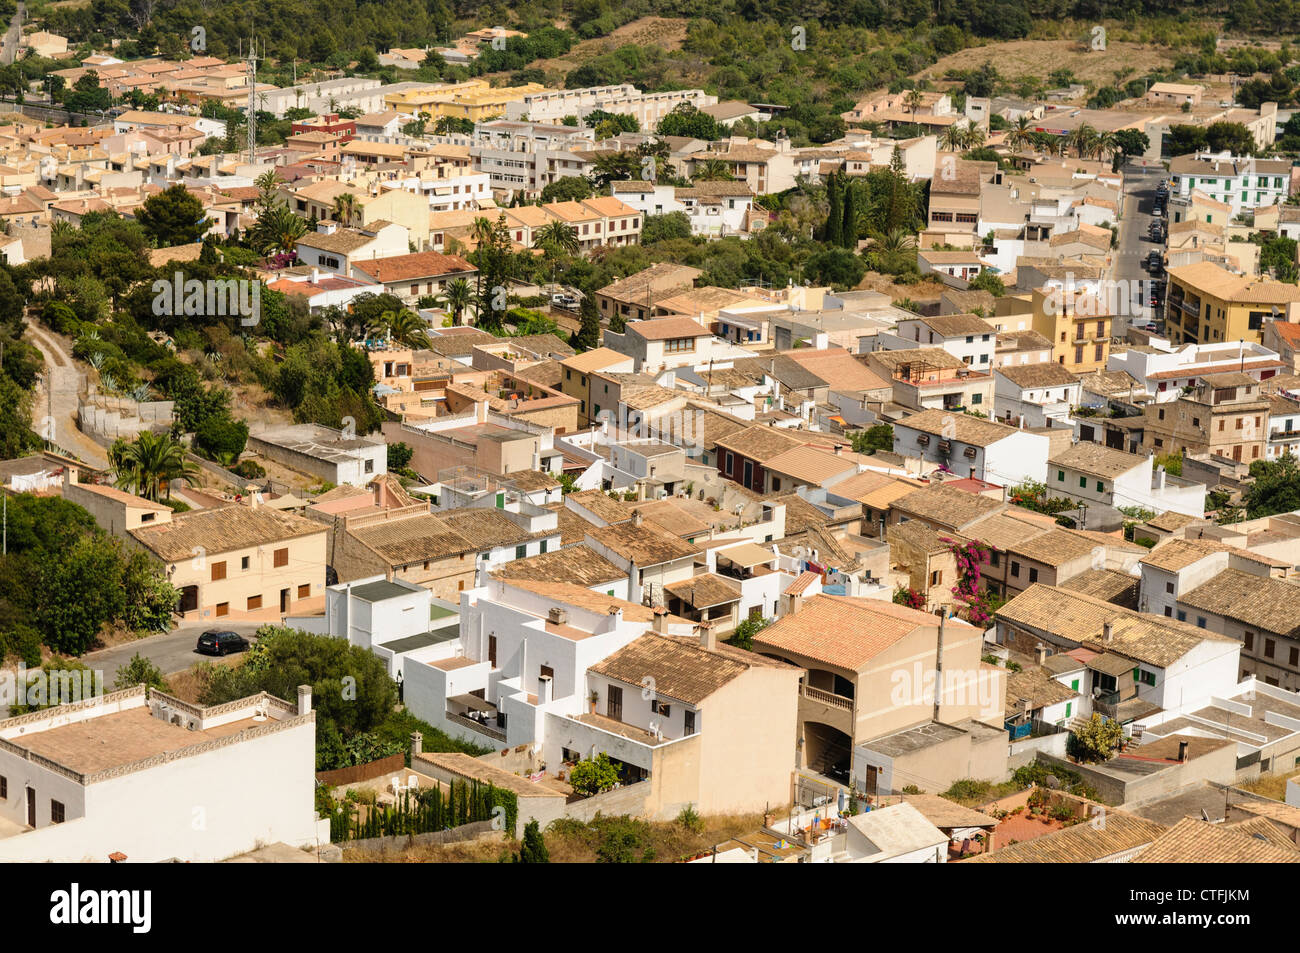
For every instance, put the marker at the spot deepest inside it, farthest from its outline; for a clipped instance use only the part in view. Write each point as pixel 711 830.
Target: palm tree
pixel 143 465
pixel 1019 135
pixel 481 231
pixel 914 101
pixel 406 328
pixel 1106 145
pixel 455 298
pixel 953 138
pixel 346 208
pixel 974 136
pixel 1082 140
pixel 712 170
pixel 278 229
pixel 557 240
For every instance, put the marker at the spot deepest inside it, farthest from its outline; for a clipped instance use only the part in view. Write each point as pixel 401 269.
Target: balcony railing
pixel 828 698
pixel 478 726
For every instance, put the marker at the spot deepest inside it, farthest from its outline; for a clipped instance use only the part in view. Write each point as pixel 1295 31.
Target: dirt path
pixel 54 413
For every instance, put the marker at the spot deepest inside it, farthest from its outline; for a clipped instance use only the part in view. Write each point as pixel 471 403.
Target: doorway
pixel 284 600
pixel 31 807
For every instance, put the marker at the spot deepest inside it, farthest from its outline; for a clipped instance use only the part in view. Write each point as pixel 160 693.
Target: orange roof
pixel 661 329
pixel 423 264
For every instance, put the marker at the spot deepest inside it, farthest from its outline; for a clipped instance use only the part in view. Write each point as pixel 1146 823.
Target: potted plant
pixel 591 700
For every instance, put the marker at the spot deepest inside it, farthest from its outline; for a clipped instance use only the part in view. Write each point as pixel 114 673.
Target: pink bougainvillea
pixel 970 558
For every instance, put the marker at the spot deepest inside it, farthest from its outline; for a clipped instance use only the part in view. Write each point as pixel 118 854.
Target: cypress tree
pixel 835 216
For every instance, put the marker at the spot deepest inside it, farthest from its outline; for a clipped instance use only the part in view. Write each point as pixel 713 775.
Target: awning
pixel 472 701
pixel 747 555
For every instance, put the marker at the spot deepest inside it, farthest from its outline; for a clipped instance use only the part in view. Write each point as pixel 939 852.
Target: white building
pixel 554 105
pixel 156 779
pixel 528 156
pixel 1034 393
pixel 1245 183
pixel 1164 369
pixel 335 249
pixel 967 337
pixel 330 454
pixel 971 446
pixel 1094 474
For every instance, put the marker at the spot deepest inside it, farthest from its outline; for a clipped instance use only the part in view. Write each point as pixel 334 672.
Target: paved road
pixel 172 651
pixel 9 47
pixel 54 412
pixel 1134 245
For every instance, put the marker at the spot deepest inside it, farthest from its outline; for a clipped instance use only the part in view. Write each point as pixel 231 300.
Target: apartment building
pixel 1241 182
pixel 955 198
pixel 970 446
pixel 525 157
pixel 1209 304
pixel 335 249
pixel 930 378
pixel 1163 370
pixel 967 337
pixel 1224 415
pixel 1096 475
pixel 1078 323
pixel 555 105
pixel 633 298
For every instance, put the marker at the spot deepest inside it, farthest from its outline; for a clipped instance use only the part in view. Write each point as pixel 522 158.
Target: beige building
pixel 871 706
pixel 234 562
pixel 1225 415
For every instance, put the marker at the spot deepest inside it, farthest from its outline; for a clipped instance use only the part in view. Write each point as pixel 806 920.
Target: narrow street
pixel 1139 194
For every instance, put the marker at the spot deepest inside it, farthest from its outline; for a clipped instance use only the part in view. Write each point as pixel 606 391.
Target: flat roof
pixel 379 590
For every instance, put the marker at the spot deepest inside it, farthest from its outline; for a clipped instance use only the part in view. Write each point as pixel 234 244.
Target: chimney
pixel 417 744
pixel 636 517
pixel 71 476
pixel 254 495
pixel 1182 752
pixel 558 616
pixel 1160 478
pixel 615 618
pixel 661 620
pixel 304 699
pixel 708 638
pixel 1107 633
pixel 544 689
pixel 315 275
pixel 1040 653
pixel 838 448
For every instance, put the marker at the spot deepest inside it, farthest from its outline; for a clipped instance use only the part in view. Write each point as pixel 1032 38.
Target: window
pixel 1074 685
pixel 936 577
pixel 1294 657
pixel 1033 575
pixel 1015 568
pixel 1069 706
pixel 1169 611
pixel 219 571
pixel 1147 678
pixel 254 602
pixel 370 466
pixel 1060 476
pixel 689 718
pixel 1083 482
pixel 281 558
pixel 1101 487
pixel 243 563
pixel 660 708
pixel 492 651
pixel 1200 621
pixel 4 788
pixel 1182 616
pixel 1169 588
pixel 1269 646
pixel 994 558
pixel 543 547
pixel 223 608
pixel 304 591
pixel 977 398
pixel 57 812
pixel 1250 640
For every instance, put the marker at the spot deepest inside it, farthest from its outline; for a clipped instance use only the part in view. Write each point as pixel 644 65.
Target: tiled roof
pixel 844 632
pixel 961 427
pixel 580 565
pixel 1035 686
pixel 809 465
pixel 425 264
pixel 682 670
pixel 662 329
pixel 222 529
pixel 1108 584
pixel 759 442
pixel 1079 844
pixel 603 505
pixel 1196 841
pixel 956 325
pixel 947 815
pixel 580 597
pixel 705 590
pixel 932 357
pixel 1270 605
pixel 947 506
pixel 1041 374
pixel 1081 618
pixel 1096 460
pixel 644 544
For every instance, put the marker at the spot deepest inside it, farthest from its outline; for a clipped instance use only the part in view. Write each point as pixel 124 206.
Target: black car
pixel 216 642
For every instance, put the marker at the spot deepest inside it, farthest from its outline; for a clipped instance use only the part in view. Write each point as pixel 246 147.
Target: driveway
pixel 172 651
pixel 58 397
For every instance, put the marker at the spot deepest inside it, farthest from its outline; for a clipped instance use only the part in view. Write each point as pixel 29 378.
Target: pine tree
pixel 849 237
pixel 588 335
pixel 900 201
pixel 533 849
pixel 835 216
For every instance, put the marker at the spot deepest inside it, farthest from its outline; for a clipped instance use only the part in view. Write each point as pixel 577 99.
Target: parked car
pixel 216 642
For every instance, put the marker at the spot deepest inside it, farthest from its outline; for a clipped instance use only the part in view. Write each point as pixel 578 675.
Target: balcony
pixel 827 698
